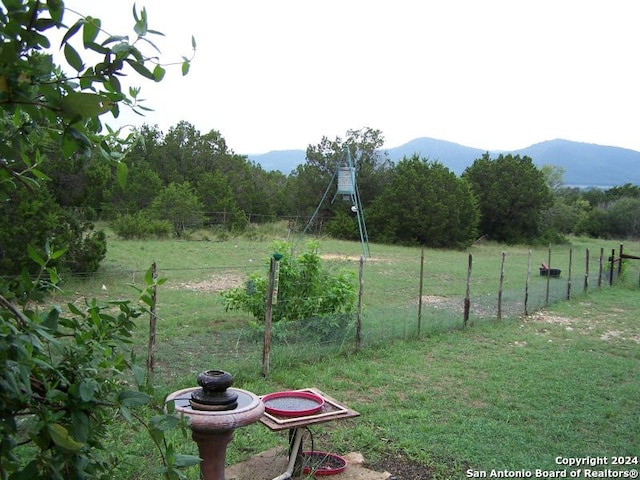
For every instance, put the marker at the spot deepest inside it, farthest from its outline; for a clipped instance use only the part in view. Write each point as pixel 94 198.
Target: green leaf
pixel 39 175
pixel 131 398
pixel 84 105
pixel 147 300
pixel 140 68
pixel 78 139
pixel 29 472
pixel 87 390
pixel 35 256
pixel 164 422
pixel 126 414
pixel 58 253
pixel 72 31
pixel 43 24
pixel 62 439
pixel 114 85
pixel 90 30
pixel 73 309
pixel 50 321
pixel 141 23
pixel 185 67
pixel 56 9
pixel 158 73
pixel 148 276
pixel 138 374
pixel 121 172
pixel 193 42
pixel 73 58
pixel 98 48
pixel 116 38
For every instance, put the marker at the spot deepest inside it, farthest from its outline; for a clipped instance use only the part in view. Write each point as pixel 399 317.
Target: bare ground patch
pixel 348 258
pixel 553 319
pixel 215 283
pixel 571 324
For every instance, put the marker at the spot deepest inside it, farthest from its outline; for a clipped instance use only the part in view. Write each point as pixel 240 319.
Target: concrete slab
pixel 272 463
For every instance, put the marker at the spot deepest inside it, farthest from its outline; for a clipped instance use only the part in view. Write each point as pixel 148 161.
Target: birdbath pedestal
pixel 214 411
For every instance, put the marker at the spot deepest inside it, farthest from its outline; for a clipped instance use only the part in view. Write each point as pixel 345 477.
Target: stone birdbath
pixel 215 410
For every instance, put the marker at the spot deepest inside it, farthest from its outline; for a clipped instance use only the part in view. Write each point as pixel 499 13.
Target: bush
pixel 344 226
pixel 306 290
pixel 140 226
pixel 61 386
pixel 86 247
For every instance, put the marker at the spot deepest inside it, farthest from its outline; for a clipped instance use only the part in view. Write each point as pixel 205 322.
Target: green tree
pixel 512 194
pixel 143 185
pixel 425 203
pixel 364 147
pixel 26 217
pixel 624 218
pixel 309 182
pixel 179 204
pixel 219 201
pixel 553 175
pixel 627 190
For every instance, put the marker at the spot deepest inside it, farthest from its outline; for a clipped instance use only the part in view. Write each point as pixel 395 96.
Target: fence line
pixel 400 318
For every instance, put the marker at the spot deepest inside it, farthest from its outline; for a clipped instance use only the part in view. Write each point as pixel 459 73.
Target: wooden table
pixel 331 410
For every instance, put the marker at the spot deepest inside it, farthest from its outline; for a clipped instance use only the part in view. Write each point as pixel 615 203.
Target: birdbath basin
pixel 215 410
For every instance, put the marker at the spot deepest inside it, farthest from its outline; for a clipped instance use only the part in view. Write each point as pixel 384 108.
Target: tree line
pixel 183 180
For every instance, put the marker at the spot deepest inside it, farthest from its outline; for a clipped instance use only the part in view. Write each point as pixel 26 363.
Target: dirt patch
pixel 546 318
pixel 575 324
pixel 438 302
pixel 216 283
pixel 401 468
pixel 347 258
pixel 618 335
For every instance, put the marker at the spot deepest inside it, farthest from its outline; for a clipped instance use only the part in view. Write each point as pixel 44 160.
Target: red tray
pixel 322 463
pixel 292 403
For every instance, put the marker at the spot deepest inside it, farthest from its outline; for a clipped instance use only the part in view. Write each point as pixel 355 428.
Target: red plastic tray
pixel 292 403
pixel 323 463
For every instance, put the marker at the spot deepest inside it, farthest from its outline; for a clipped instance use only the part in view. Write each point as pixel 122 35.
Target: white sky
pixel 490 74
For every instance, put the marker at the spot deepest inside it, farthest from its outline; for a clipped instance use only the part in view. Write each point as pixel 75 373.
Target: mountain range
pixel 584 164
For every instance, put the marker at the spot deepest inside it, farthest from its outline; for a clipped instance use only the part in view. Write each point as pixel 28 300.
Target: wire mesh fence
pixel 194 326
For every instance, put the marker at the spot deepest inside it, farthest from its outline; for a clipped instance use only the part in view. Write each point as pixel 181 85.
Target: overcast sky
pixel 490 74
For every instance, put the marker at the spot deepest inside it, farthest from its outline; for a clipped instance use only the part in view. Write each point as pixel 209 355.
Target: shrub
pixel 61 386
pixel 140 226
pixel 307 291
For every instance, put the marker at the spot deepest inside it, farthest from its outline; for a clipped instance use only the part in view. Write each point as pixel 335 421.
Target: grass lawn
pixel 511 394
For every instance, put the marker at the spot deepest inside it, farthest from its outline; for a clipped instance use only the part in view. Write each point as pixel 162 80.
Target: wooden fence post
pixel 526 286
pixel 153 318
pixel 569 274
pixel 546 296
pixel 600 266
pixel 620 261
pixel 586 272
pixel 360 296
pixel 612 265
pixel 420 290
pixel 467 297
pixel 500 289
pixel 266 350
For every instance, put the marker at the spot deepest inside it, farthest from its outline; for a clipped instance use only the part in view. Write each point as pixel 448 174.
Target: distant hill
pixel 284 160
pixel 585 164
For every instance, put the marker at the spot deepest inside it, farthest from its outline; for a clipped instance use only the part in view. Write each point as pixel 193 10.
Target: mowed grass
pixel 511 394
